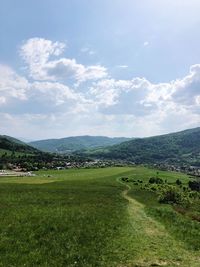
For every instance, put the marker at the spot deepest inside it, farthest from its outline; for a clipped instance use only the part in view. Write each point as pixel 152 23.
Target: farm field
pixel 90 218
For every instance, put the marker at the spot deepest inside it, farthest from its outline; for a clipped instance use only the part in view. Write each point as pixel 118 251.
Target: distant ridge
pixel 71 144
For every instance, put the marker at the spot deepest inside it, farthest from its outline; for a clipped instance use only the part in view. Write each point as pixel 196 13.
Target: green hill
pixel 14 153
pixel 180 147
pixel 75 143
pixel 9 144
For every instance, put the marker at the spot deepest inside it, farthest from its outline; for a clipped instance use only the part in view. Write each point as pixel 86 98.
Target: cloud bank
pixel 59 97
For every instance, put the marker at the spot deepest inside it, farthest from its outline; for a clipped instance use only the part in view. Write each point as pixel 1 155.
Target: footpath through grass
pixel 88 218
pixel 164 238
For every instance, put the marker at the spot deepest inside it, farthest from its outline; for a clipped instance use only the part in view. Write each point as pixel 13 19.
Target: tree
pixel 194 185
pixel 155 180
pixel 170 194
pixel 178 182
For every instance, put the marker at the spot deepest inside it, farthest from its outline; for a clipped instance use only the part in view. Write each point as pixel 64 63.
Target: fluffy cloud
pixel 103 105
pixel 18 95
pixel 38 54
pixel 69 69
pixel 53 97
pixel 38 50
pixel 187 90
pixel 12 85
pixel 52 93
pixel 140 97
pixel 123 96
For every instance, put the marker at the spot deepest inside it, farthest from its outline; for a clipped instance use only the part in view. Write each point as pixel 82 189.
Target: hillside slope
pixel 75 143
pixel 11 144
pixel 177 147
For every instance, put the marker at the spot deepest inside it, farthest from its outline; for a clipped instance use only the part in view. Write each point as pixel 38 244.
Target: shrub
pixel 173 195
pixel 125 179
pixel 194 195
pixel 178 182
pixel 194 185
pixel 155 180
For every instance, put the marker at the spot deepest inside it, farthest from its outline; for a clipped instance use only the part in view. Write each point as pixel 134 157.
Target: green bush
pixel 125 179
pixel 178 182
pixel 170 194
pixel 155 180
pixel 194 185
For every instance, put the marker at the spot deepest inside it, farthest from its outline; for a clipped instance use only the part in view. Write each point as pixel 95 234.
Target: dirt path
pixel 158 247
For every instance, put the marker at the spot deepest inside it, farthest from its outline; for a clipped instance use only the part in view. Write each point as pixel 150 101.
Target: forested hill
pixel 180 147
pixel 70 144
pixel 11 144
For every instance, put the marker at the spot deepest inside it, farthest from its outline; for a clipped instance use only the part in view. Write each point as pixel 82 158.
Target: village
pixel 18 170
pixel 188 169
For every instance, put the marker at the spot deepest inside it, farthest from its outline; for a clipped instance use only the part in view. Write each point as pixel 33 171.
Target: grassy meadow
pixel 90 218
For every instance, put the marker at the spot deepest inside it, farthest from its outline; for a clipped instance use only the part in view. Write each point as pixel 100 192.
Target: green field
pixel 89 218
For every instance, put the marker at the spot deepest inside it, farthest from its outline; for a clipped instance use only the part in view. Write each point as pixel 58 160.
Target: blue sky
pixel 116 68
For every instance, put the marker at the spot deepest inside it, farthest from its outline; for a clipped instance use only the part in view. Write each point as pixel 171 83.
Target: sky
pixel 99 67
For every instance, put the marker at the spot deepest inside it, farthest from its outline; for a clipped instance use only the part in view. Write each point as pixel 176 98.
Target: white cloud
pixel 165 106
pixel 187 90
pixel 123 96
pixel 38 50
pixel 12 85
pixel 91 73
pixel 53 94
pixel 18 95
pixel 104 106
pixel 139 96
pixel 38 54
pixel 69 69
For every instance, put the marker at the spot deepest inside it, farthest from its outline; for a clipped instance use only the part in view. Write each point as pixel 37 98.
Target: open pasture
pixel 87 217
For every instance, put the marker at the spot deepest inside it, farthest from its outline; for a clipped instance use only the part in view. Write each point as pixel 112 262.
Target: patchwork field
pixel 90 218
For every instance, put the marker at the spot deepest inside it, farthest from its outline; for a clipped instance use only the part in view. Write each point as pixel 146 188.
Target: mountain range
pixel 71 144
pixel 180 147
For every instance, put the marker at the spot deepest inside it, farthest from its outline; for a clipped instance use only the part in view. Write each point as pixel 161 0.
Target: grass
pixel 88 218
pixel 143 173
